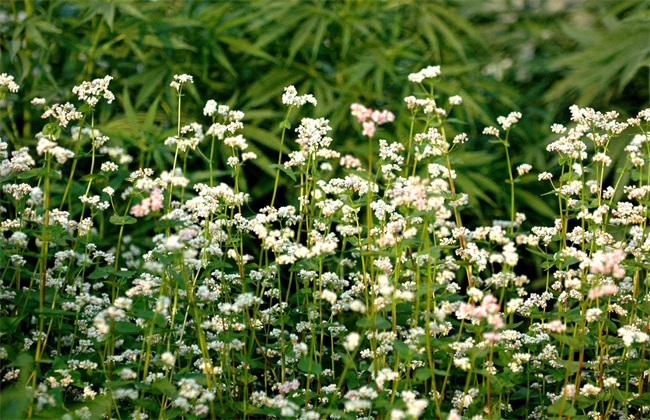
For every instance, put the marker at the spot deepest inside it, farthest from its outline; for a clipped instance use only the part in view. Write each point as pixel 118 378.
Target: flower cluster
pixel 291 98
pixel 179 292
pixel 92 92
pixel 7 83
pixel 370 118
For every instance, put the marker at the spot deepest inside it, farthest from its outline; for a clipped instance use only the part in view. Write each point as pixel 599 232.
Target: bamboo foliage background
pixel 541 56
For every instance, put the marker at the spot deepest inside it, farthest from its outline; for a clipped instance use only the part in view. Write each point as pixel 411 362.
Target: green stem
pixel 285 124
pixel 178 143
pixel 511 181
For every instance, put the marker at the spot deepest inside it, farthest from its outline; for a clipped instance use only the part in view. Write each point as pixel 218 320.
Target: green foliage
pixel 613 51
pixel 540 58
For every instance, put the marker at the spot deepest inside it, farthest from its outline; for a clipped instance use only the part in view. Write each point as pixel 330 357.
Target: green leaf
pixel 10 324
pixel 421 374
pixel 351 380
pixel 147 404
pixel 124 273
pixel 122 220
pixel 40 172
pixel 99 273
pixel 642 400
pixel 288 171
pixel 14 402
pixel 242 46
pixel 457 121
pixel 307 365
pixel 563 407
pixel 164 386
pixel 535 203
pixel 35 35
pixel 300 37
pixel 100 178
pixel 129 111
pixel 377 322
pixel 150 118
pixel 124 327
pixel 403 351
pixel 32 173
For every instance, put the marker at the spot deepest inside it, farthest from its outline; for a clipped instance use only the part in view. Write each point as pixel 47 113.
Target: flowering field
pixel 131 289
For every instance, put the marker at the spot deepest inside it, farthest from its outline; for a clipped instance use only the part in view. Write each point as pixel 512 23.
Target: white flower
pixel 523 169
pixel 91 92
pixel 168 358
pixel 630 335
pixel 491 131
pixel 329 296
pixel 7 81
pixel 611 382
pixel 558 128
pixel 589 389
pixel 429 72
pixel 291 98
pixel 180 79
pixel 210 108
pixel 545 176
pixel 463 363
pixel 352 341
pixel 357 306
pixel 592 314
pixel 455 100
pixel 509 121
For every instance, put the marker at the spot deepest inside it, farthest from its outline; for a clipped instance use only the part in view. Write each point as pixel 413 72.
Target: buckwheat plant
pixel 139 292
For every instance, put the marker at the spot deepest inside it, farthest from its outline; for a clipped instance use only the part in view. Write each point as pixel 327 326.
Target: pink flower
pixel 464 310
pixel 608 262
pixel 604 290
pixel 156 200
pixel 370 118
pixel 556 326
pixel 139 210
pixel 491 337
pixel 368 129
pixel 496 320
pixel 361 112
pixel 147 205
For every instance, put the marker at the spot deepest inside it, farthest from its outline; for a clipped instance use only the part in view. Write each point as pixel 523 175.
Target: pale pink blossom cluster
pixel 489 309
pixel 350 162
pixel 148 204
pixel 370 118
pixel 608 262
pixel 288 386
pixel 603 290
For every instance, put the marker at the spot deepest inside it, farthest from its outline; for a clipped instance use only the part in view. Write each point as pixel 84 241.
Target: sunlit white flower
pixel 352 341
pixel 179 80
pixel 429 72
pixel 290 97
pixel 92 92
pixel 455 100
pixel 7 82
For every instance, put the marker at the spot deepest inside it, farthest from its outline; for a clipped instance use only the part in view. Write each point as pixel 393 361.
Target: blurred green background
pixel 533 56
